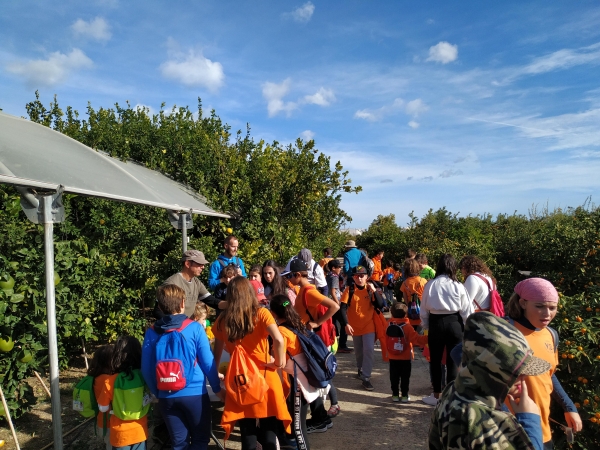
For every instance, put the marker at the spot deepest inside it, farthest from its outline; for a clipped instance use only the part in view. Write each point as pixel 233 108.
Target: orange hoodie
pixel 377 272
pixel 411 336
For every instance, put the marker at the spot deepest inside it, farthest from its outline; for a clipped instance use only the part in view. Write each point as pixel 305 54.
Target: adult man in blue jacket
pixel 352 258
pixel 223 260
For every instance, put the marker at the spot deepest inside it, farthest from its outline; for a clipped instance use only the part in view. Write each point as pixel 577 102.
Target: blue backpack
pixel 414 308
pixel 175 361
pixel 320 361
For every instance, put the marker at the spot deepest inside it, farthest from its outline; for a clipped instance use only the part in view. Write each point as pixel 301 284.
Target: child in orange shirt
pixel 531 309
pixel 400 350
pixel 413 284
pixel 124 434
pixel 244 323
pixel 388 279
pixel 101 370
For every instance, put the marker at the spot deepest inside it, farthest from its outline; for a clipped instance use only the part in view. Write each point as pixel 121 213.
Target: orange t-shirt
pixel 324 261
pixel 387 271
pixel 412 338
pixel 308 298
pixel 377 272
pixel 360 311
pixel 540 387
pixel 257 346
pixel 293 347
pixel 122 432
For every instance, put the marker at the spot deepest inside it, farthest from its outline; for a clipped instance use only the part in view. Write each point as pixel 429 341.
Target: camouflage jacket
pixel 469 415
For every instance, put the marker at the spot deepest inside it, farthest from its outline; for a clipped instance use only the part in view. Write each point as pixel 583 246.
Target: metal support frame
pixel 47 208
pixel 182 220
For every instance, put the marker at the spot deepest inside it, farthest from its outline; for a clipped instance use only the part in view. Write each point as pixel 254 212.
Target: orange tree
pixel 110 256
pixel 561 246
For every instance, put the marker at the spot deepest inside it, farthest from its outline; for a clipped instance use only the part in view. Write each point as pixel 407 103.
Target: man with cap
pixel 228 257
pixel 187 279
pixel 468 415
pixel 316 275
pixel 352 258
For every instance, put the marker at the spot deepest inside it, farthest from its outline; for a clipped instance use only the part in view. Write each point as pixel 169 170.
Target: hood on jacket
pixel 495 354
pixel 169 322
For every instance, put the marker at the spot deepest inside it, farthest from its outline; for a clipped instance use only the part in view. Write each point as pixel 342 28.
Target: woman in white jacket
pixel 445 306
pixel 479 281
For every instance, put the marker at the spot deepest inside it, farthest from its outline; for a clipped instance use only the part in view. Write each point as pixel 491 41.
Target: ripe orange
pixel 564 356
pixel 578 319
pixel 586 402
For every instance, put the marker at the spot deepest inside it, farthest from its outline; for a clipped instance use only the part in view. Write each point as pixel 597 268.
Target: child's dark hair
pixel 101 363
pixel 229 271
pixel 399 310
pixel 398 267
pixel 421 258
pixel 127 355
pixel 282 307
pixel 256 268
pixel 389 263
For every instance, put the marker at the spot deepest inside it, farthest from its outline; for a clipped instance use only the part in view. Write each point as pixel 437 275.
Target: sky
pixel 479 107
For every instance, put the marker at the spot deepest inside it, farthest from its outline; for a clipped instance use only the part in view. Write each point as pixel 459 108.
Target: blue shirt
pixel 216 267
pixel 352 259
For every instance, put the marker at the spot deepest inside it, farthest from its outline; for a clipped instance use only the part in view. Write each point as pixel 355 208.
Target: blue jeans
pixel 139 446
pixel 188 420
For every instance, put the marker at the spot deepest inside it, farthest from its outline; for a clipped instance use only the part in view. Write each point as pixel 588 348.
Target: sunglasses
pixel 289 276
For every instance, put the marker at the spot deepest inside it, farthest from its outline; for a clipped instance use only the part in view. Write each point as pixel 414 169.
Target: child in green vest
pixel 127 397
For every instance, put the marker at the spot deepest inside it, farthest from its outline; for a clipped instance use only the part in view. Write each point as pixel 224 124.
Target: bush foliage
pixel 560 246
pixel 111 256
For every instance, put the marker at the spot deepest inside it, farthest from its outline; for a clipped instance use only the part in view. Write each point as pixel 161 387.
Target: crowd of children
pixel 263 323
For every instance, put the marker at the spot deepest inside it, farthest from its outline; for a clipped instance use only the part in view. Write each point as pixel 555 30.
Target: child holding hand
pixel 400 350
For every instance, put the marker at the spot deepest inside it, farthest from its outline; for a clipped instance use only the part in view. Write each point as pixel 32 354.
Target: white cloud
pixel 274 93
pixel 380 113
pixel 450 173
pixel 193 69
pixel 51 71
pixel 96 29
pixel 302 14
pixel 414 125
pixel 443 52
pixel 416 107
pixel 307 135
pixel 323 97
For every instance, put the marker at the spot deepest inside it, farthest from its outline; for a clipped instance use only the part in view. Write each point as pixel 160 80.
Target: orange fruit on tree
pixel 593 420
pixel 577 405
pixel 588 309
pixel 571 356
pixel 583 331
pixel 580 348
pixel 578 319
pixel 586 402
pixel 585 381
pixel 564 356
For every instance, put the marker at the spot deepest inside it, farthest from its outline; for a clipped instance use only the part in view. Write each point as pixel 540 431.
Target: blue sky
pixel 476 106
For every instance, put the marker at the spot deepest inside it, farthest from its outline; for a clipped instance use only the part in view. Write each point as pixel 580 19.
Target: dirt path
pixel 368 419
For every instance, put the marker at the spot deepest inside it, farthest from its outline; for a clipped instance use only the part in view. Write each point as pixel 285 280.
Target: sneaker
pixel 395 398
pixel 320 427
pixel 430 400
pixel 345 350
pixel 406 399
pixel 367 384
pixel 333 411
pixel 359 376
pixel 328 423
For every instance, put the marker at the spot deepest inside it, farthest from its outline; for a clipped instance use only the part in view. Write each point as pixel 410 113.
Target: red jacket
pixel 412 338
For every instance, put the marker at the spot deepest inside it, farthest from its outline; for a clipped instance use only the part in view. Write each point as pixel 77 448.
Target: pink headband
pixel 537 290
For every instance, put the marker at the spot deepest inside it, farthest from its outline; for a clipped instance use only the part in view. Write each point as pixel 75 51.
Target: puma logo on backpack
pixel 174 360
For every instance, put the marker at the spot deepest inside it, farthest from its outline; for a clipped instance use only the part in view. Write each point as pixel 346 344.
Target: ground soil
pixel 367 419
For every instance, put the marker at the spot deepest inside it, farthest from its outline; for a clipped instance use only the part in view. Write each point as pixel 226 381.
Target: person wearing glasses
pixel 357 317
pixel 193 262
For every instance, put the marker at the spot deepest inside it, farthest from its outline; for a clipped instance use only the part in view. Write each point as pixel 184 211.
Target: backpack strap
pixel 221 262
pixel 554 334
pixel 486 281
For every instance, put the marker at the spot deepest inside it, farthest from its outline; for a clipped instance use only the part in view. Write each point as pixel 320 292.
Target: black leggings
pixel 265 433
pixel 445 332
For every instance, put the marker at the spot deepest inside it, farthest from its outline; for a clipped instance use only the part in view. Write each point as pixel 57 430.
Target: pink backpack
pixel 496 305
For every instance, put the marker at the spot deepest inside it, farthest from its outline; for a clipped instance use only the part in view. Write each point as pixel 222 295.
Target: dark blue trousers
pixel 188 420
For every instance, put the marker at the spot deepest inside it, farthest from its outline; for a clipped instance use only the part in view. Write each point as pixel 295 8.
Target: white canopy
pixel 35 156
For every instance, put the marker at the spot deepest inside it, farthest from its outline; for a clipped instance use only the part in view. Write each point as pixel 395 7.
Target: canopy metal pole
pixel 51 311
pixel 182 219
